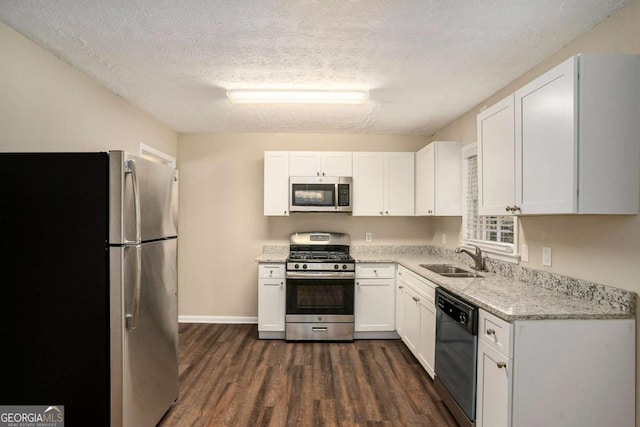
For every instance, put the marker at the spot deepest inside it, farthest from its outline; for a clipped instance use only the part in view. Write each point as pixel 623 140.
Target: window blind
pixel 484 228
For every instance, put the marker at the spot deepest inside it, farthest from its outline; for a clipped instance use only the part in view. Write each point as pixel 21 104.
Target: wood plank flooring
pixel 228 377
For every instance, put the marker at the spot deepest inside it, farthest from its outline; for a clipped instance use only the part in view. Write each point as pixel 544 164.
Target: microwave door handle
pixel 336 195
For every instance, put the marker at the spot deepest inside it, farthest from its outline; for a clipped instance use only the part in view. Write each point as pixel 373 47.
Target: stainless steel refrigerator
pixel 88 313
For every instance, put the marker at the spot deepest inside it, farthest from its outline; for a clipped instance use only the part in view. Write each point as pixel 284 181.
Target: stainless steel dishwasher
pixel 456 352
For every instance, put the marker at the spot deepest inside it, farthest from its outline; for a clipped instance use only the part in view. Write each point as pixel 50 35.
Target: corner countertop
pixel 505 297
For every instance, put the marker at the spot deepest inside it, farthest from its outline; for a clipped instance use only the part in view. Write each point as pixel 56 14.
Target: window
pixel 496 235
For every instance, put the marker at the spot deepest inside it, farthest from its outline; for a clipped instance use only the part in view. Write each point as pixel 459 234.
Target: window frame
pixel 502 251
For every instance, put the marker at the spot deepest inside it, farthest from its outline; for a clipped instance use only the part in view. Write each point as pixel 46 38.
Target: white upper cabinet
pixel 575 145
pixel 383 184
pixel 325 163
pixel 276 183
pixel 439 179
pixel 496 158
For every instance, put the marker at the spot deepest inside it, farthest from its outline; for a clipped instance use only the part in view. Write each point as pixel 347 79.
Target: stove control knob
pixel 335 267
pixel 296 266
pixel 344 266
pixel 304 266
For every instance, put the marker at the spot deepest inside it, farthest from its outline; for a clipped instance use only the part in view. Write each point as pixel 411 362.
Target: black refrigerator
pixel 88 314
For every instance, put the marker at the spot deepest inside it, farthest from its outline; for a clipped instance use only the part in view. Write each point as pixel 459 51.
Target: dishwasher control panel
pixel 458 310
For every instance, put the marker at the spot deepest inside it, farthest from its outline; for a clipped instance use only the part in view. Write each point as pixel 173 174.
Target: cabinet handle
pixel 381 213
pixel 281 284
pixel 491 332
pixel 285 212
pixel 429 211
pixel 400 287
pixel 358 283
pixel 317 173
pixel 386 212
pixel 501 365
pixel 322 173
pixel 516 208
pixel 508 209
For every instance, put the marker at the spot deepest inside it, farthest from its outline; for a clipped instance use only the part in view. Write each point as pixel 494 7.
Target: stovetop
pixel 319 256
pixel 319 251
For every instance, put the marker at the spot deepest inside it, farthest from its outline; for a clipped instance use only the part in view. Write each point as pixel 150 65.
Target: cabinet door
pixel 399 194
pixel 368 184
pixel 427 340
pixel 374 305
pixel 494 388
pixel 337 163
pixel 304 163
pixel 400 302
pixel 271 304
pixel 496 158
pixel 546 142
pixel 425 180
pixel 276 183
pixel 411 328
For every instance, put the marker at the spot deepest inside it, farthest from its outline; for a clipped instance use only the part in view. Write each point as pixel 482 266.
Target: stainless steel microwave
pixel 320 194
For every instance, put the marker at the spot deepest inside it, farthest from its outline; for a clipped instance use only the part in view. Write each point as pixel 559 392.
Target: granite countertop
pixel 506 297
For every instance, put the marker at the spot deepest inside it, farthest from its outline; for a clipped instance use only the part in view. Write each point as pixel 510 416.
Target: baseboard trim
pixel 217 319
pixel 382 335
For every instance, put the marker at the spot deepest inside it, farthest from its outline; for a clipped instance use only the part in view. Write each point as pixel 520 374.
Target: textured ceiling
pixel 425 62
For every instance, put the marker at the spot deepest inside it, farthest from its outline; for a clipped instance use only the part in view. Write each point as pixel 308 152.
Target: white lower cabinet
pixel 419 317
pixel 374 300
pixel 555 372
pixel 271 300
pixel 400 286
pixel 493 398
pixel 426 342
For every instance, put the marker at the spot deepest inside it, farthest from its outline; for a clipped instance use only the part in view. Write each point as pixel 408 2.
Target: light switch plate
pixel 368 237
pixel 524 253
pixel 546 256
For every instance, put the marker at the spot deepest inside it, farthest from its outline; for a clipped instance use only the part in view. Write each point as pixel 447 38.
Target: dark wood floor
pixel 230 378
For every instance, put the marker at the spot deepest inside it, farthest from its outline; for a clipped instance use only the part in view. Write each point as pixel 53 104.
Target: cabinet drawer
pixel 495 332
pixel 375 271
pixel 419 284
pixel 271 271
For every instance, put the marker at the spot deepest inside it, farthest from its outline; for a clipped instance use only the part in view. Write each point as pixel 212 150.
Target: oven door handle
pixel 320 275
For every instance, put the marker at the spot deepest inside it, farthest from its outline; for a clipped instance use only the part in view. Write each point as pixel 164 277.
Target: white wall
pixel 46 105
pixel 222 227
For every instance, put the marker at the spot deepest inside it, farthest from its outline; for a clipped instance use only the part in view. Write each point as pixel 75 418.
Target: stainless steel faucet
pixel 477 257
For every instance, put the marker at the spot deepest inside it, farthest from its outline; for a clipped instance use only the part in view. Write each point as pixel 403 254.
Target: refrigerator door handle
pixel 131 320
pixel 131 168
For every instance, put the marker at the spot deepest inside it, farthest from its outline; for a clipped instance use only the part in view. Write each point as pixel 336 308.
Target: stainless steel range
pixel 320 288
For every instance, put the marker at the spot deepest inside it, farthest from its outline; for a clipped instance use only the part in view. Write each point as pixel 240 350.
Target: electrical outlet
pixel 368 237
pixel 546 256
pixel 524 253
pixel 444 238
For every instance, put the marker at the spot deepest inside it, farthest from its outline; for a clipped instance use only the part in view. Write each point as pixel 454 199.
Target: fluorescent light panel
pixel 259 96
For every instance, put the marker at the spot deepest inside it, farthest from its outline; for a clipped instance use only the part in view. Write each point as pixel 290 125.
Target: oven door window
pixel 319 296
pixel 313 194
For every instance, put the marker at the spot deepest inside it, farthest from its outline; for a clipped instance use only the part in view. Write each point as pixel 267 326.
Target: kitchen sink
pixel 449 270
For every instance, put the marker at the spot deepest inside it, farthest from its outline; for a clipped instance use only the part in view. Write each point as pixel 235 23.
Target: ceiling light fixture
pixel 259 96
